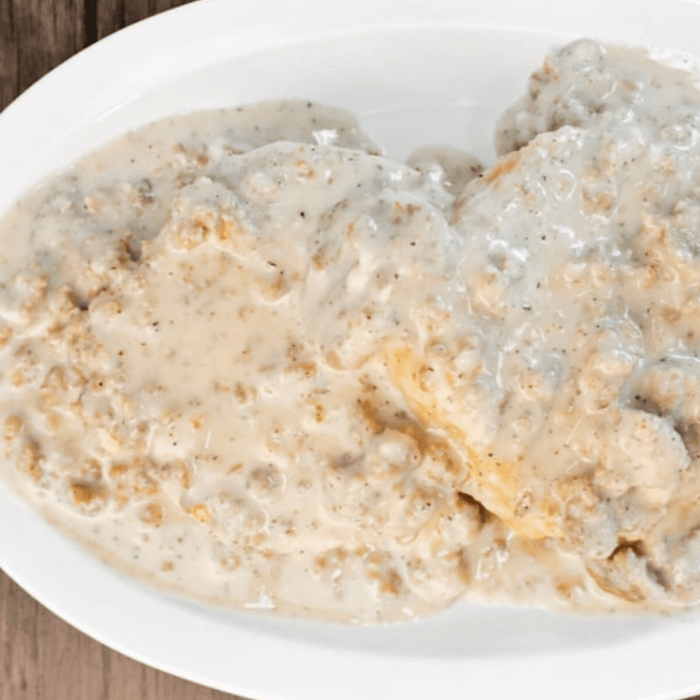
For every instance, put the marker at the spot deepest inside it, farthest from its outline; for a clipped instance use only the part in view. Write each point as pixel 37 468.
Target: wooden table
pixel 42 657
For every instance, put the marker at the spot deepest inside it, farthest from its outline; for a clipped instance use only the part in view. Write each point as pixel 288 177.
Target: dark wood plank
pixel 43 33
pixel 9 63
pixel 44 658
pixel 37 35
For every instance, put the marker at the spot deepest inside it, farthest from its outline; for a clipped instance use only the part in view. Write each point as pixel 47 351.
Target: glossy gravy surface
pixel 250 360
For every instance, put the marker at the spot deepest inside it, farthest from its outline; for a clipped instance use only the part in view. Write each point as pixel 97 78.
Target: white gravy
pixel 249 360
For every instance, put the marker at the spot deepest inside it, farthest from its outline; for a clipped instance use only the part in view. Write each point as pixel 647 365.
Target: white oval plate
pixel 417 72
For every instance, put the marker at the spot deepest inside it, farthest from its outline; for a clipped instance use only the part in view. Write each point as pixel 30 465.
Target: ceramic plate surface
pixel 433 71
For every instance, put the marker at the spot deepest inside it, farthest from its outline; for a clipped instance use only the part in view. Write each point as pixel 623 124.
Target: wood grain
pixel 37 35
pixel 42 657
